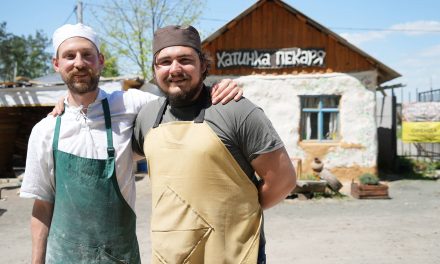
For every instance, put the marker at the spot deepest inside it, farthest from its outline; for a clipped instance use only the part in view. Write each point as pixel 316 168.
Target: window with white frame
pixel 320 117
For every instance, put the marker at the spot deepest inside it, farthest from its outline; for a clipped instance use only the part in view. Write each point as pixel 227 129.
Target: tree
pixel 6 65
pixel 128 25
pixel 111 62
pixel 23 56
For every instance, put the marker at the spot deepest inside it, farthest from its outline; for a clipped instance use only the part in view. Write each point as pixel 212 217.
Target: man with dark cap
pixel 203 159
pixel 79 165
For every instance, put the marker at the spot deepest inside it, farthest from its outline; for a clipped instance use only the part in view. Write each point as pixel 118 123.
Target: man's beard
pixel 83 86
pixel 184 98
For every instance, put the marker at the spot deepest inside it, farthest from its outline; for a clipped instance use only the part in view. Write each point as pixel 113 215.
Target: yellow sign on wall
pixel 422 132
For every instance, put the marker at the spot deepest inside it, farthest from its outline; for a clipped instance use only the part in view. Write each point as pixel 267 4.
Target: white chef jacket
pixel 85 136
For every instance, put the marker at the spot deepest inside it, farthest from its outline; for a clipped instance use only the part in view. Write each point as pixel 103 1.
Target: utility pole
pixel 79 12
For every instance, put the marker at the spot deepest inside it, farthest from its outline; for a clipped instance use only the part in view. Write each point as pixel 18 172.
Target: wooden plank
pixel 284 23
pixel 269 40
pixel 363 191
pixel 259 22
pixel 254 28
pixel 272 26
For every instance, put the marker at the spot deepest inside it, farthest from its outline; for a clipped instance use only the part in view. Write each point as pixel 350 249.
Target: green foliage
pixel 417 169
pixel 430 169
pixel 424 168
pixel 23 55
pixel 310 177
pixel 128 26
pixel 329 194
pixel 368 178
pixel 111 62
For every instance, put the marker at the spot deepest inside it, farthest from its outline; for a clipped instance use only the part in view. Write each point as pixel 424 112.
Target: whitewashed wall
pixel 278 95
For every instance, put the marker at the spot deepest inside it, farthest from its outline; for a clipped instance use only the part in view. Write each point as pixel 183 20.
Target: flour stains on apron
pixel 92 222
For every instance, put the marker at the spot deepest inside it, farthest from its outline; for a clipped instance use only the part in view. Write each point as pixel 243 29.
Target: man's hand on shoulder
pixel 225 91
pixel 58 108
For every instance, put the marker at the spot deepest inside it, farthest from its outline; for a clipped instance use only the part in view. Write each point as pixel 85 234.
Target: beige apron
pixel 205 208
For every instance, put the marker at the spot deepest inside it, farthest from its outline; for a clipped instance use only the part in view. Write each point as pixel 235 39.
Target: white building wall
pixel 278 95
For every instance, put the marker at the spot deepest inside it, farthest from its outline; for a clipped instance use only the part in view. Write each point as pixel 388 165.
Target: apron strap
pixel 199 118
pixel 205 104
pixel 56 134
pixel 108 128
pixel 162 110
pixel 55 140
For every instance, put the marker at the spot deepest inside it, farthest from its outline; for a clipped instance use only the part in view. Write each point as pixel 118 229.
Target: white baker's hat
pixel 69 31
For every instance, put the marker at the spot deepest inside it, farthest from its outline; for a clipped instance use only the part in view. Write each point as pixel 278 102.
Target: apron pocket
pixel 62 251
pixel 178 231
pixel 107 258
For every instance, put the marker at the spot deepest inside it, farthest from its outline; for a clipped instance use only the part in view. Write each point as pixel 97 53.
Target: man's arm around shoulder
pixel 40 225
pixel 278 174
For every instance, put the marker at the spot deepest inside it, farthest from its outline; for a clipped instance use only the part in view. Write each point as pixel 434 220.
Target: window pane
pixel 330 102
pixel 328 126
pixel 309 126
pixel 310 102
pixel 331 126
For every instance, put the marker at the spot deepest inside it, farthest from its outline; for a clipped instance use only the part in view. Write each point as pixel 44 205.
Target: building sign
pixel 284 58
pixel 421 122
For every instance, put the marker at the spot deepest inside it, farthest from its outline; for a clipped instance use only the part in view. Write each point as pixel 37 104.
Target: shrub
pixel 437 165
pixel 368 178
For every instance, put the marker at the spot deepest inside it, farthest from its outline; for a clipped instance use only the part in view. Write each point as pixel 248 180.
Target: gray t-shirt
pixel 242 127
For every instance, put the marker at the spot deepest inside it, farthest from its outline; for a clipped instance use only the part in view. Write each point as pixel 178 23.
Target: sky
pixel 402 34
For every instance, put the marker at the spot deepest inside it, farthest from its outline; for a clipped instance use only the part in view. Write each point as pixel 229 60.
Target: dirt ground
pixel 402 230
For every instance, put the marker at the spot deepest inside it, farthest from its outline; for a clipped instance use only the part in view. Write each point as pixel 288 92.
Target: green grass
pixel 329 194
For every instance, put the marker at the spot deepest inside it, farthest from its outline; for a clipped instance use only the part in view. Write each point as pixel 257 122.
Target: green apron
pixel 92 222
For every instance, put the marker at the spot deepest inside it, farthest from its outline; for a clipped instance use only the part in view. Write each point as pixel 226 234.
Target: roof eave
pixel 385 72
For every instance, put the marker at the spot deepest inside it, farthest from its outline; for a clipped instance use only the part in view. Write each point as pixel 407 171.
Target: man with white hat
pixel 79 164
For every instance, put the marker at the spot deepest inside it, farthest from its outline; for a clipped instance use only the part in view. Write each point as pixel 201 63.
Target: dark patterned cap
pixel 176 36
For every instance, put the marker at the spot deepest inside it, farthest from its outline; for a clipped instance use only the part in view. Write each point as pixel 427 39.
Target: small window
pixel 320 117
